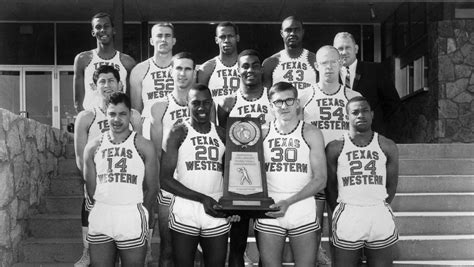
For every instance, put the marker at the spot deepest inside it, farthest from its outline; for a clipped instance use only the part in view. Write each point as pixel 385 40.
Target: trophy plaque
pixel 245 183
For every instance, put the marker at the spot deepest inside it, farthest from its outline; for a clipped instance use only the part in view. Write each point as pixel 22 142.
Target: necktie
pixel 348 78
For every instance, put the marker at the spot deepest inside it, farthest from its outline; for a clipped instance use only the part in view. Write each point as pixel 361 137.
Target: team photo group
pixel 151 137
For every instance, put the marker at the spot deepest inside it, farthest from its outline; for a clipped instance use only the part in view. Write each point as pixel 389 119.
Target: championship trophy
pixel 245 182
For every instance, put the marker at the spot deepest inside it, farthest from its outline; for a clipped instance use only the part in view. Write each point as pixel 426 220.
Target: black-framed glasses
pixel 288 102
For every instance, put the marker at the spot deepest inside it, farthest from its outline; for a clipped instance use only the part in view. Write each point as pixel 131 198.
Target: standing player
pixel 166 113
pixel 220 73
pixel 296 171
pixel 87 62
pixel 294 64
pixel 195 148
pixel 251 100
pixel 362 182
pixel 326 108
pixel 150 80
pixel 90 124
pixel 120 170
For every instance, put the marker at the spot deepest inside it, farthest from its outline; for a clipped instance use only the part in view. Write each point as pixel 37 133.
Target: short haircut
pixel 295 18
pixel 105 69
pixel 103 15
pixel 357 99
pixel 183 55
pixel 200 88
pixel 330 47
pixel 119 97
pixel 249 52
pixel 345 35
pixel 228 24
pixel 281 87
pixel 164 24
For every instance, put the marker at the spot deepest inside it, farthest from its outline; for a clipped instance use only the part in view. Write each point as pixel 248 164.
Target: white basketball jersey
pixel 99 124
pixel 156 84
pixel 297 71
pixel 328 113
pixel 287 162
pixel 200 161
pixel 120 172
pixel 259 108
pixel 91 97
pixel 362 173
pixel 174 113
pixel 224 80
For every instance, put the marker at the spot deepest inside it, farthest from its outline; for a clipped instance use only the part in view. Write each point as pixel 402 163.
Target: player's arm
pixel 224 106
pixel 269 65
pixel 205 71
pixel 136 78
pixel 80 63
pixel 333 150
pixel 136 121
pixel 317 158
pixel 156 128
pixel 89 166
pixel 128 62
pixel 169 162
pixel 81 133
pixel 391 151
pixel 151 180
pixel 312 64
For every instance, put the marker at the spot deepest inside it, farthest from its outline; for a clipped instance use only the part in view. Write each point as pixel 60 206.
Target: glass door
pixel 10 89
pixel 38 84
pixel 67 112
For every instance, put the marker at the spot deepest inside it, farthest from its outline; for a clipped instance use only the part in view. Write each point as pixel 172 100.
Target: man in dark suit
pixel 369 79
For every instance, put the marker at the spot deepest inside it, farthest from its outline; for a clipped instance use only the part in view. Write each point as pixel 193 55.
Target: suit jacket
pixel 373 83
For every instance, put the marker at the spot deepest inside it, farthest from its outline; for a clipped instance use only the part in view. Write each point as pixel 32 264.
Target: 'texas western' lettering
pixel 354 180
pixel 286 167
pixel 284 142
pixel 98 64
pixel 294 65
pixel 362 154
pixel 117 177
pixel 252 108
pixel 116 152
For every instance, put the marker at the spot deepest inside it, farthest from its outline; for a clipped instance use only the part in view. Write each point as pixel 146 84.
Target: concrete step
pixel 409 248
pixel 63 204
pixel 433 202
pixel 431 151
pixel 409 223
pixel 435 223
pixel 445 166
pixel 67 187
pixel 435 183
pixel 68 166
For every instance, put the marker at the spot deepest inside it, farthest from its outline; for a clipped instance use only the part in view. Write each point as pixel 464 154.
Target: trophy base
pixel 254 208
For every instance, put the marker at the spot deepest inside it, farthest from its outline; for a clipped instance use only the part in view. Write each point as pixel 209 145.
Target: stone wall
pixel 455 56
pixel 29 153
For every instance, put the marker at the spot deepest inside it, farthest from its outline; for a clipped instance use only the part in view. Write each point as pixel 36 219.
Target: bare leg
pixel 346 258
pixel 134 257
pixel 103 255
pixel 214 250
pixel 270 248
pixel 184 249
pixel 380 257
pixel 166 248
pixel 303 248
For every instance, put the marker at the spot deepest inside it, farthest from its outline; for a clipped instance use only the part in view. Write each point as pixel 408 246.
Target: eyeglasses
pixel 288 102
pixel 327 63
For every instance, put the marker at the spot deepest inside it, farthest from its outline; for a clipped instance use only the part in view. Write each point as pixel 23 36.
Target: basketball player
pixel 251 100
pixel 294 64
pixel 120 170
pixel 165 113
pixel 85 63
pixel 195 148
pixel 150 80
pixel 326 109
pixel 362 182
pixel 220 73
pixel 294 160
pixel 89 124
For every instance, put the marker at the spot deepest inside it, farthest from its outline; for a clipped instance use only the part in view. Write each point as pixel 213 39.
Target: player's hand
pixel 233 218
pixel 210 206
pixel 282 207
